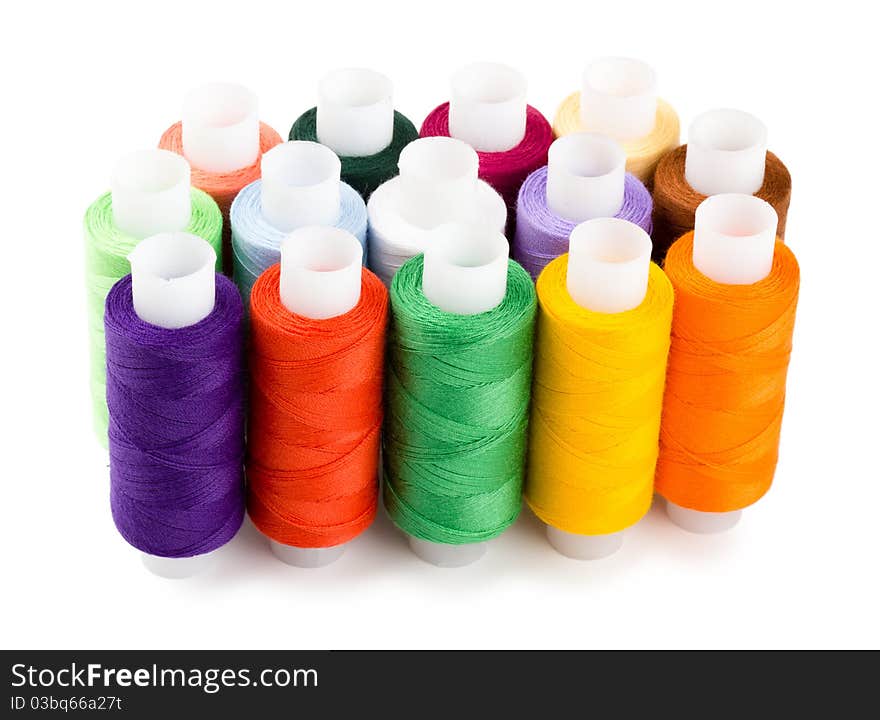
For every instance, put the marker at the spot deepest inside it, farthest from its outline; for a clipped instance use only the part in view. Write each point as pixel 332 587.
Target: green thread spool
pixel 107 249
pixel 458 390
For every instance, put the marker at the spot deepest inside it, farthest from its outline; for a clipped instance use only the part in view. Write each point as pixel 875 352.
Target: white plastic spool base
pixel 320 279
pixel 150 193
pixel 608 266
pixel 619 98
pixel 465 273
pixel 438 181
pixel 300 185
pixel 487 107
pixel 355 113
pixel 734 241
pixel 585 177
pixel 726 153
pixel 173 286
pixel 220 127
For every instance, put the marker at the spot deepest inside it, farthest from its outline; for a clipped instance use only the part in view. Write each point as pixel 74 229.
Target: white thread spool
pixel 150 193
pixel 355 113
pixel 608 268
pixel 585 176
pixel 487 107
pixel 726 153
pixel 619 98
pixel 465 272
pixel 220 127
pixel 438 181
pixel 173 286
pixel 734 242
pixel 320 279
pixel 300 185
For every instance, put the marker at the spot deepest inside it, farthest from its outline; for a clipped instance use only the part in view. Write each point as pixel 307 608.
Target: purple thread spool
pixel 585 178
pixel 175 395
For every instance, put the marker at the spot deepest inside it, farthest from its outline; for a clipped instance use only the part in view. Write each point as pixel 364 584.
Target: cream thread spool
pixel 619 98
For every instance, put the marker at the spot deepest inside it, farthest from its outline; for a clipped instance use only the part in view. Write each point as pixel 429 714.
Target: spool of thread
pixel 438 184
pixel 488 111
pixel 356 119
pixel 726 153
pixel 458 379
pixel 736 289
pixel 584 179
pixel 150 193
pixel 223 139
pixel 175 395
pixel 618 98
pixel 600 362
pixel 300 186
pixel 317 352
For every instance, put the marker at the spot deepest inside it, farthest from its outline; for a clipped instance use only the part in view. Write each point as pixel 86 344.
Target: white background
pixel 86 82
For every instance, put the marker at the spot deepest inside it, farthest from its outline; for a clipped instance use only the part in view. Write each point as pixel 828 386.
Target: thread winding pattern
pixel 642 154
pixel 176 436
pixel 597 398
pixel 256 243
pixel 456 411
pixel 541 235
pixel 223 187
pixel 675 202
pixel 315 416
pixel 365 173
pixel 725 388
pixel 107 249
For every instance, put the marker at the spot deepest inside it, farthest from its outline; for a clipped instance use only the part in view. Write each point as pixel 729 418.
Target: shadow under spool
pixel 675 201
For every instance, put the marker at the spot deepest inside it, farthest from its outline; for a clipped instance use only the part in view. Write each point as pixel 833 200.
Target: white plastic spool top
pixel 355 113
pixel 465 273
pixel 619 98
pixel 734 242
pixel 150 193
pixel 220 127
pixel 438 181
pixel 585 176
pixel 320 279
pixel 173 286
pixel 487 107
pixel 608 267
pixel 726 153
pixel 300 185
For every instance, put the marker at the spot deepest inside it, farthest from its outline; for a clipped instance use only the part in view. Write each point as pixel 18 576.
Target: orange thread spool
pixel 315 416
pixel 725 384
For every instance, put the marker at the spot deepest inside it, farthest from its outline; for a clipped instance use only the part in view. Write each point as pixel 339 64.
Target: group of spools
pixel 376 337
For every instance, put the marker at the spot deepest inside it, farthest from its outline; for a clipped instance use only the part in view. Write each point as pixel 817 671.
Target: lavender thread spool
pixel 175 396
pixel 585 178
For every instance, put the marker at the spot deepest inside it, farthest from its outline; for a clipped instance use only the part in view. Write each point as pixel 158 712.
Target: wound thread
pixel 456 411
pixel 223 187
pixel 107 249
pixel 675 202
pixel 176 436
pixel 542 235
pixel 256 243
pixel 597 398
pixel 642 154
pixel 365 173
pixel 725 387
pixel 315 416
pixel 504 171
